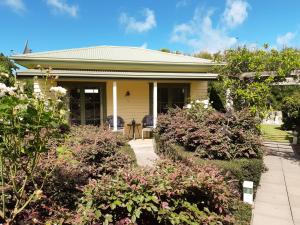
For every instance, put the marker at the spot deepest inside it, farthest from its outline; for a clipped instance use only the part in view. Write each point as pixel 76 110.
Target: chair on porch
pixel 120 123
pixel 147 123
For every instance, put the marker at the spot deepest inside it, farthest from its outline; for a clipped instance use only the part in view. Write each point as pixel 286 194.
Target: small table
pixel 134 127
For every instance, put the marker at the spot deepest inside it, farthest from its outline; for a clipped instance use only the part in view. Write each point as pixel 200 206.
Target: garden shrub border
pixel 241 169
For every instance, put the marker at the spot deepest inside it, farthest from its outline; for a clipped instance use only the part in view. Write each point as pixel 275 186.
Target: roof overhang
pixel 88 64
pixel 87 74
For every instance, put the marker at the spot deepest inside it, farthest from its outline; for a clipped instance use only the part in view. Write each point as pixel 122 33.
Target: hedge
pixel 241 169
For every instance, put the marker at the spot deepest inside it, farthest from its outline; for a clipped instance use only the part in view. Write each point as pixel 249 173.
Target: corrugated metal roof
pixel 118 74
pixel 115 53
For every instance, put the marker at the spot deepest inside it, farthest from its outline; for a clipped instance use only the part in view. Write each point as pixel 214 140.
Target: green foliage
pixel 242 213
pixel 6 70
pixel 167 194
pixel 291 112
pixel 254 92
pixel 279 92
pixel 165 50
pixel 217 96
pixel 204 55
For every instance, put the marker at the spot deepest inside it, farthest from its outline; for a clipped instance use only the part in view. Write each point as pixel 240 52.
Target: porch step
pixel 144 151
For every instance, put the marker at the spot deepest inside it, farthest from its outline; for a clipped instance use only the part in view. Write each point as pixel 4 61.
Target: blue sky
pixel 185 25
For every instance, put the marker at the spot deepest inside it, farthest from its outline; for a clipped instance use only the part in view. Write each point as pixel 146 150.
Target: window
pixel 169 95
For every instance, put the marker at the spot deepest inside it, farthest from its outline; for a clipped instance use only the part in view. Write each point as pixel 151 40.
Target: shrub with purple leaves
pixel 87 153
pixel 168 194
pixel 211 134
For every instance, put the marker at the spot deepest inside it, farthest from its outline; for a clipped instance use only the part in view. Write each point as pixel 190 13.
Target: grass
pixel 275 133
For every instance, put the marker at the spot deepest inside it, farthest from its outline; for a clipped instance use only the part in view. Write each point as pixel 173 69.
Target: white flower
pixel 206 103
pixel 188 106
pixel 198 101
pixel 2 86
pixel 21 107
pixel 6 90
pixel 38 95
pixel 59 91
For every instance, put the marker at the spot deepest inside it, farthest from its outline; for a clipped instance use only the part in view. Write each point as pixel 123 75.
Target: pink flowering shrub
pixel 211 134
pixel 167 194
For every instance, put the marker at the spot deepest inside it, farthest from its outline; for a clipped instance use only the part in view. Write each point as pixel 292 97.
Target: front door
pixel 86 104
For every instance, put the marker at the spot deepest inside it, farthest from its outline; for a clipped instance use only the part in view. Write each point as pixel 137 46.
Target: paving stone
pixel 259 219
pixel 144 151
pixel 278 197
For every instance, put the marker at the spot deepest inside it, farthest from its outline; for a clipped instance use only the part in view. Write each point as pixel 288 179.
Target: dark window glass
pixel 171 96
pixel 92 106
pixel 75 106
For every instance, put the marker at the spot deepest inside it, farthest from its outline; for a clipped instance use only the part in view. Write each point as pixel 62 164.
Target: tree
pixel 204 55
pixel 291 112
pixel 7 67
pixel 253 90
pixel 165 50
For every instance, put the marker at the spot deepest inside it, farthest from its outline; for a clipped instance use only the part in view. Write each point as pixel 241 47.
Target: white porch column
pixel 115 106
pixel 154 104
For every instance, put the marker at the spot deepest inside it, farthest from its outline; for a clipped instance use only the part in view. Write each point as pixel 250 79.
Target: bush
pixel 167 194
pixel 291 112
pixel 238 169
pixel 212 134
pixel 87 153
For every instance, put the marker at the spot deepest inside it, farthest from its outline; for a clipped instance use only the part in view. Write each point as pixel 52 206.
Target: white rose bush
pixel 27 123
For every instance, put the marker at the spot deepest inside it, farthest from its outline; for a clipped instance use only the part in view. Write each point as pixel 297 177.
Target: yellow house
pixel 126 82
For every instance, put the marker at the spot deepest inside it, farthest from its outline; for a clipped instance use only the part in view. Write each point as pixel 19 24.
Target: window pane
pixel 92 106
pixel 75 106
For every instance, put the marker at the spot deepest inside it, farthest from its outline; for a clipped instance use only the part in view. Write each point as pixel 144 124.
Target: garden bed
pixel 240 169
pixel 205 137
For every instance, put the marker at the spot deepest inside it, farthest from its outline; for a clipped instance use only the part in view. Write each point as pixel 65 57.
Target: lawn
pixel 275 133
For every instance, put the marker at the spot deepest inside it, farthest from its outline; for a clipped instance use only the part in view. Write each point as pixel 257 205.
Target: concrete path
pixel 144 151
pixel 278 198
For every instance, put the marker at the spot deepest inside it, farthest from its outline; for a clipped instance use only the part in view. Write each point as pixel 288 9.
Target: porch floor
pixel 144 151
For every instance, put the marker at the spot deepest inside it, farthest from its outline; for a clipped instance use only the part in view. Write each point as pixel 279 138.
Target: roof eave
pixel 24 58
pixel 120 75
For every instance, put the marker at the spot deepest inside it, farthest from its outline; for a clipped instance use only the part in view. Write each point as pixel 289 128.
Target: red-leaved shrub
pixel 211 134
pixel 87 153
pixel 168 194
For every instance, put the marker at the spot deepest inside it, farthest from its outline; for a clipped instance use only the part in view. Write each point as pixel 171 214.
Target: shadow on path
pixel 278 197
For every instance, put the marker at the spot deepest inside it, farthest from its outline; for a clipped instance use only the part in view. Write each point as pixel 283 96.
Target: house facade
pixel 116 81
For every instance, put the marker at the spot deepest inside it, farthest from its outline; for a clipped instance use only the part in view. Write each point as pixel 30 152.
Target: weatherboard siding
pixel 136 105
pixel 199 90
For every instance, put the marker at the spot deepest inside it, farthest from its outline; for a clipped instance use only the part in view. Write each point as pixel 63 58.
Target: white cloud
pixel 200 34
pixel 15 5
pixel 132 25
pixel 145 45
pixel 235 13
pixel 286 39
pixel 63 7
pixel 182 3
